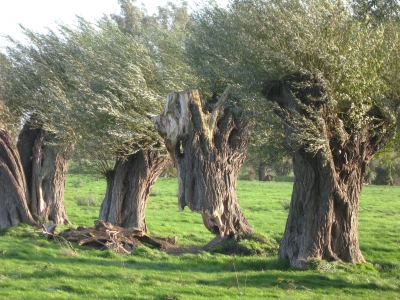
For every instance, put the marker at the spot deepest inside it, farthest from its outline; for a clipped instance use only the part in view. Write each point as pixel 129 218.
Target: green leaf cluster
pixel 99 85
pixel 312 44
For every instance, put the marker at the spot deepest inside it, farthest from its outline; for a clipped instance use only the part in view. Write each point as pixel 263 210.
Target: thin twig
pixel 58 236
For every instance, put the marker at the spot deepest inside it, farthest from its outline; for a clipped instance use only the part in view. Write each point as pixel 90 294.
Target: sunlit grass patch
pixel 33 267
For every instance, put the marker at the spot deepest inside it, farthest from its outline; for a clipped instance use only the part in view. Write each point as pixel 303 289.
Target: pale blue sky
pixel 39 14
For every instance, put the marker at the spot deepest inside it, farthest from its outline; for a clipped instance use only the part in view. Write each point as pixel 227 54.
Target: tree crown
pixel 352 65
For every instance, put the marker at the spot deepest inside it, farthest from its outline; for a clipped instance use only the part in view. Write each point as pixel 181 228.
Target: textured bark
pixel 45 166
pixel 208 150
pixel 323 216
pixel 13 191
pixel 128 188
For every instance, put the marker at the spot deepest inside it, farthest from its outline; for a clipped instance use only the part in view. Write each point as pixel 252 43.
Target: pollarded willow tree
pixel 116 99
pixel 158 59
pixel 31 92
pixel 207 147
pixel 14 196
pixel 333 80
pixel 121 82
pixel 99 87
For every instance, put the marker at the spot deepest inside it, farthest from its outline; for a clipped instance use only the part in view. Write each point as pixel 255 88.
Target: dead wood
pixel 104 235
pixel 207 146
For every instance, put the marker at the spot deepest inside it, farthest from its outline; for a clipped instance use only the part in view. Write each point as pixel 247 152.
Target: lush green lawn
pixel 33 268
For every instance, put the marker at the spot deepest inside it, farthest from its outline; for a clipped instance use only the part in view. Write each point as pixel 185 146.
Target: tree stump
pixel 207 147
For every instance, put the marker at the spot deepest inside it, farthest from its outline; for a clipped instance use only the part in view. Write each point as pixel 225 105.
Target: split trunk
pixel 208 148
pixel 45 166
pixel 13 191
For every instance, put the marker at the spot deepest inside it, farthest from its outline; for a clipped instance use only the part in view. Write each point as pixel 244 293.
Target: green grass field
pixel 32 267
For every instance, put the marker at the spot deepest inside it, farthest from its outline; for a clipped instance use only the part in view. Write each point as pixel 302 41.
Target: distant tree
pixel 267 150
pixel 384 169
pixel 334 83
pixel 378 10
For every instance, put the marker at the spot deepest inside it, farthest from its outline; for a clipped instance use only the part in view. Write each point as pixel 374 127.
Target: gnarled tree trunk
pixel 323 216
pixel 128 188
pixel 45 166
pixel 13 192
pixel 208 150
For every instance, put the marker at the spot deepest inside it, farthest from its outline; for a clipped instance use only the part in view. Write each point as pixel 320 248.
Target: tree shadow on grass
pixel 264 272
pixel 106 265
pixel 297 281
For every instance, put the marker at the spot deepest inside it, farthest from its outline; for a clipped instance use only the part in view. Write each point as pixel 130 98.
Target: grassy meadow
pixel 32 267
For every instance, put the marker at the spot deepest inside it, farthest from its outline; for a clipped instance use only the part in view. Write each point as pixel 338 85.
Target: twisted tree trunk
pixel 128 188
pixel 13 191
pixel 323 216
pixel 45 166
pixel 208 150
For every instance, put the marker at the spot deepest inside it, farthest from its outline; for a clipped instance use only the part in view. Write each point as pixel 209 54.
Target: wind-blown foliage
pixel 254 42
pixel 4 111
pixel 100 86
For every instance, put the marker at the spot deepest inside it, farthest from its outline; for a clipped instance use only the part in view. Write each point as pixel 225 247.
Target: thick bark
pixel 208 150
pixel 323 216
pixel 322 221
pixel 128 188
pixel 45 166
pixel 13 192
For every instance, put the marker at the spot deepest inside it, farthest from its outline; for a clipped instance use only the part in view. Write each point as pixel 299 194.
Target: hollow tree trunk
pixel 208 150
pixel 13 192
pixel 323 215
pixel 45 166
pixel 128 188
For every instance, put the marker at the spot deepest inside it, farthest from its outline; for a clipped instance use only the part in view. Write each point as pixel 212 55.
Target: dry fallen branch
pixel 121 240
pixel 48 230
